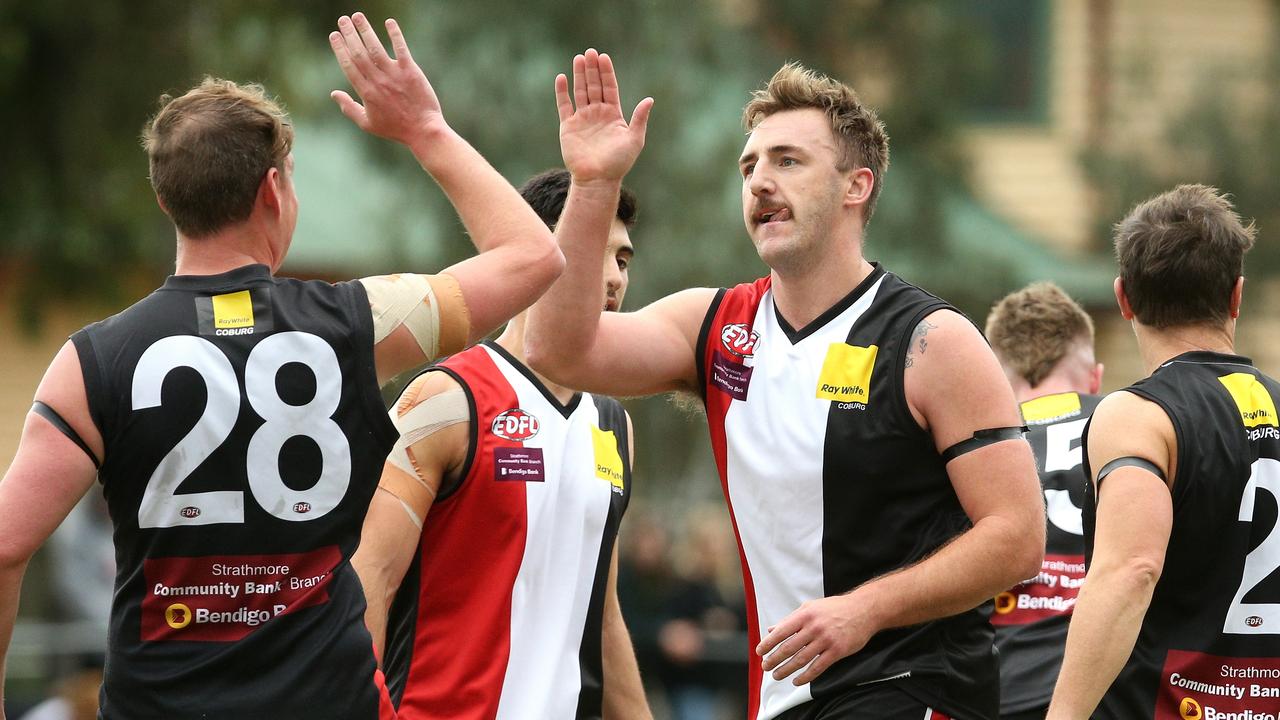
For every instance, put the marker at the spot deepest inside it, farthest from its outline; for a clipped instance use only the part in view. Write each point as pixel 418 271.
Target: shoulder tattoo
pixel 918 342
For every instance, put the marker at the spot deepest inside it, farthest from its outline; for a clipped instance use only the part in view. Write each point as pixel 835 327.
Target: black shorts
pixel 881 703
pixel 1035 714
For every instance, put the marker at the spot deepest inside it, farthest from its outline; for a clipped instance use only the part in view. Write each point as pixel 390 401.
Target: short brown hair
pixel 859 133
pixel 209 149
pixel 1032 329
pixel 1180 254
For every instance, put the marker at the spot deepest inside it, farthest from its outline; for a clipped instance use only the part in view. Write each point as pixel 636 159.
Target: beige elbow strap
pixel 402 476
pixel 430 307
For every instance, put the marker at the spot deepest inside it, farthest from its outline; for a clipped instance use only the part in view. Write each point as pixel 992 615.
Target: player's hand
pixel 398 102
pixel 816 634
pixel 597 142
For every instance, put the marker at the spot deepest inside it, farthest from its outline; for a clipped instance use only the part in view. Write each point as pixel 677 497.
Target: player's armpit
pixel 632 354
pixel 416 319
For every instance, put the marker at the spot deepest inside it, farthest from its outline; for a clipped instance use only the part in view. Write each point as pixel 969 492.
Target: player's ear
pixel 160 202
pixel 859 185
pixel 1095 379
pixel 1122 300
pixel 1237 297
pixel 271 190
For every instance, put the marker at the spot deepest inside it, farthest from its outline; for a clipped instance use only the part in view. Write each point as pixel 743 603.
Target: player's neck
pixel 1052 385
pixel 223 251
pixel 805 293
pixel 512 340
pixel 1159 346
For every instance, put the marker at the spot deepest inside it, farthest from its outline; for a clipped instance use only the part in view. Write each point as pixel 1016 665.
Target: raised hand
pixel 399 103
pixel 595 139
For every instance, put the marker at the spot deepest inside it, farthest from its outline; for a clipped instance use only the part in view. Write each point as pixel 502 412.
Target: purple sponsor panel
pixel 730 376
pixel 518 463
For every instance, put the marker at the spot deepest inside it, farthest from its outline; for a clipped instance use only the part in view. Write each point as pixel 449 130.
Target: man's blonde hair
pixel 209 149
pixel 859 134
pixel 1032 329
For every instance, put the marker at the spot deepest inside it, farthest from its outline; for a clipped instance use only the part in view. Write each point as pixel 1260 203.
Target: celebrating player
pixel 1044 342
pixel 234 418
pixel 1177 617
pixel 492 541
pixel 869 446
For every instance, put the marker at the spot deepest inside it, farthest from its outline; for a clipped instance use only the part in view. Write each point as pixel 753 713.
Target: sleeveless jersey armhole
pixel 700 350
pixel 1175 488
pixel 94 386
pixel 447 490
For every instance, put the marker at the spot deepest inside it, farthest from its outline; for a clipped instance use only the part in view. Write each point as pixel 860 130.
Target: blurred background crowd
pixel 1021 129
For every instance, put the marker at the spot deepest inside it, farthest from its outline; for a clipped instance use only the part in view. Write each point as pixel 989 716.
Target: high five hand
pixel 399 103
pixel 596 141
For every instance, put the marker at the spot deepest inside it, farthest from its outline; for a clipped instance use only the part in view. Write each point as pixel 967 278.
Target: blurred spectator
pixel 687 623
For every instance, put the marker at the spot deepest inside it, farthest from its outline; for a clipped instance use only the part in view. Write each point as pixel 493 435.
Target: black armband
pixel 1130 461
pixel 61 425
pixel 981 439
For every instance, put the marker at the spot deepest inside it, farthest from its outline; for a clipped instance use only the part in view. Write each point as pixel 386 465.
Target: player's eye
pixel 787 162
pixel 747 169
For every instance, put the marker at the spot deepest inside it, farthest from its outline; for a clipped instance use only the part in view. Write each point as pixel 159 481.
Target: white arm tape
pixel 417 422
pixel 413 516
pixel 406 299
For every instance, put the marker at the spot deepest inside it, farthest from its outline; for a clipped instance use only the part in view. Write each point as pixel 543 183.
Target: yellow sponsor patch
pixel 846 373
pixel 233 310
pixel 1255 403
pixel 608 461
pixel 1051 407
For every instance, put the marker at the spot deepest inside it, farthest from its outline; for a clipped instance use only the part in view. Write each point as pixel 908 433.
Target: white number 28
pixel 162 506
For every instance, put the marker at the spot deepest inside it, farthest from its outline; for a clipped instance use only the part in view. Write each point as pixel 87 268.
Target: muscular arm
pixel 390 535
pixel 954 387
pixel 1134 521
pixel 624 697
pixel 518 257
pixel 48 476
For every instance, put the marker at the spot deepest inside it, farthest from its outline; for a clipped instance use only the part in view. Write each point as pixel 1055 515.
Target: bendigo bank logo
pixel 846 375
pixel 177 616
pixel 739 340
pixel 1189 709
pixel 515 425
pixel 1255 403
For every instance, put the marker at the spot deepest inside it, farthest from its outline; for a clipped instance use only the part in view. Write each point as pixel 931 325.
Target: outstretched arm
pixel 954 387
pixel 48 476
pixel 1134 521
pixel 518 257
pixel 566 337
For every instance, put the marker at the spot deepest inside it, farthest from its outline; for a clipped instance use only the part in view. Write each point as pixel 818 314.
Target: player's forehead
pixel 619 239
pixel 806 129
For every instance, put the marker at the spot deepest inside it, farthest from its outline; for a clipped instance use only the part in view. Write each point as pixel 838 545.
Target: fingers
pixel 355 47
pixel 816 668
pixel 785 651
pixel 783 630
pixel 369 38
pixel 397 40
pixel 564 106
pixel 352 109
pixel 595 91
pixel 609 81
pixel 640 119
pixel 579 81
pixel 340 51
pixel 796 662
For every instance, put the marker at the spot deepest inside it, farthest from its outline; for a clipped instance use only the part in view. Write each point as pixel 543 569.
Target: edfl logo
pixel 515 425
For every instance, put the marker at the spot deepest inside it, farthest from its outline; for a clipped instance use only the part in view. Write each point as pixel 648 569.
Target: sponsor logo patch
pixel 515 425
pixel 1050 408
pixel 519 463
pixel 224 598
pixel 1255 403
pixel 245 312
pixel 1199 686
pixel 608 460
pixel 846 375
pixel 1051 593
pixel 729 375
pixel 739 340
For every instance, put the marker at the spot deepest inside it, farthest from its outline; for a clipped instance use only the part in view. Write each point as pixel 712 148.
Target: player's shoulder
pixel 429 383
pixel 1126 414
